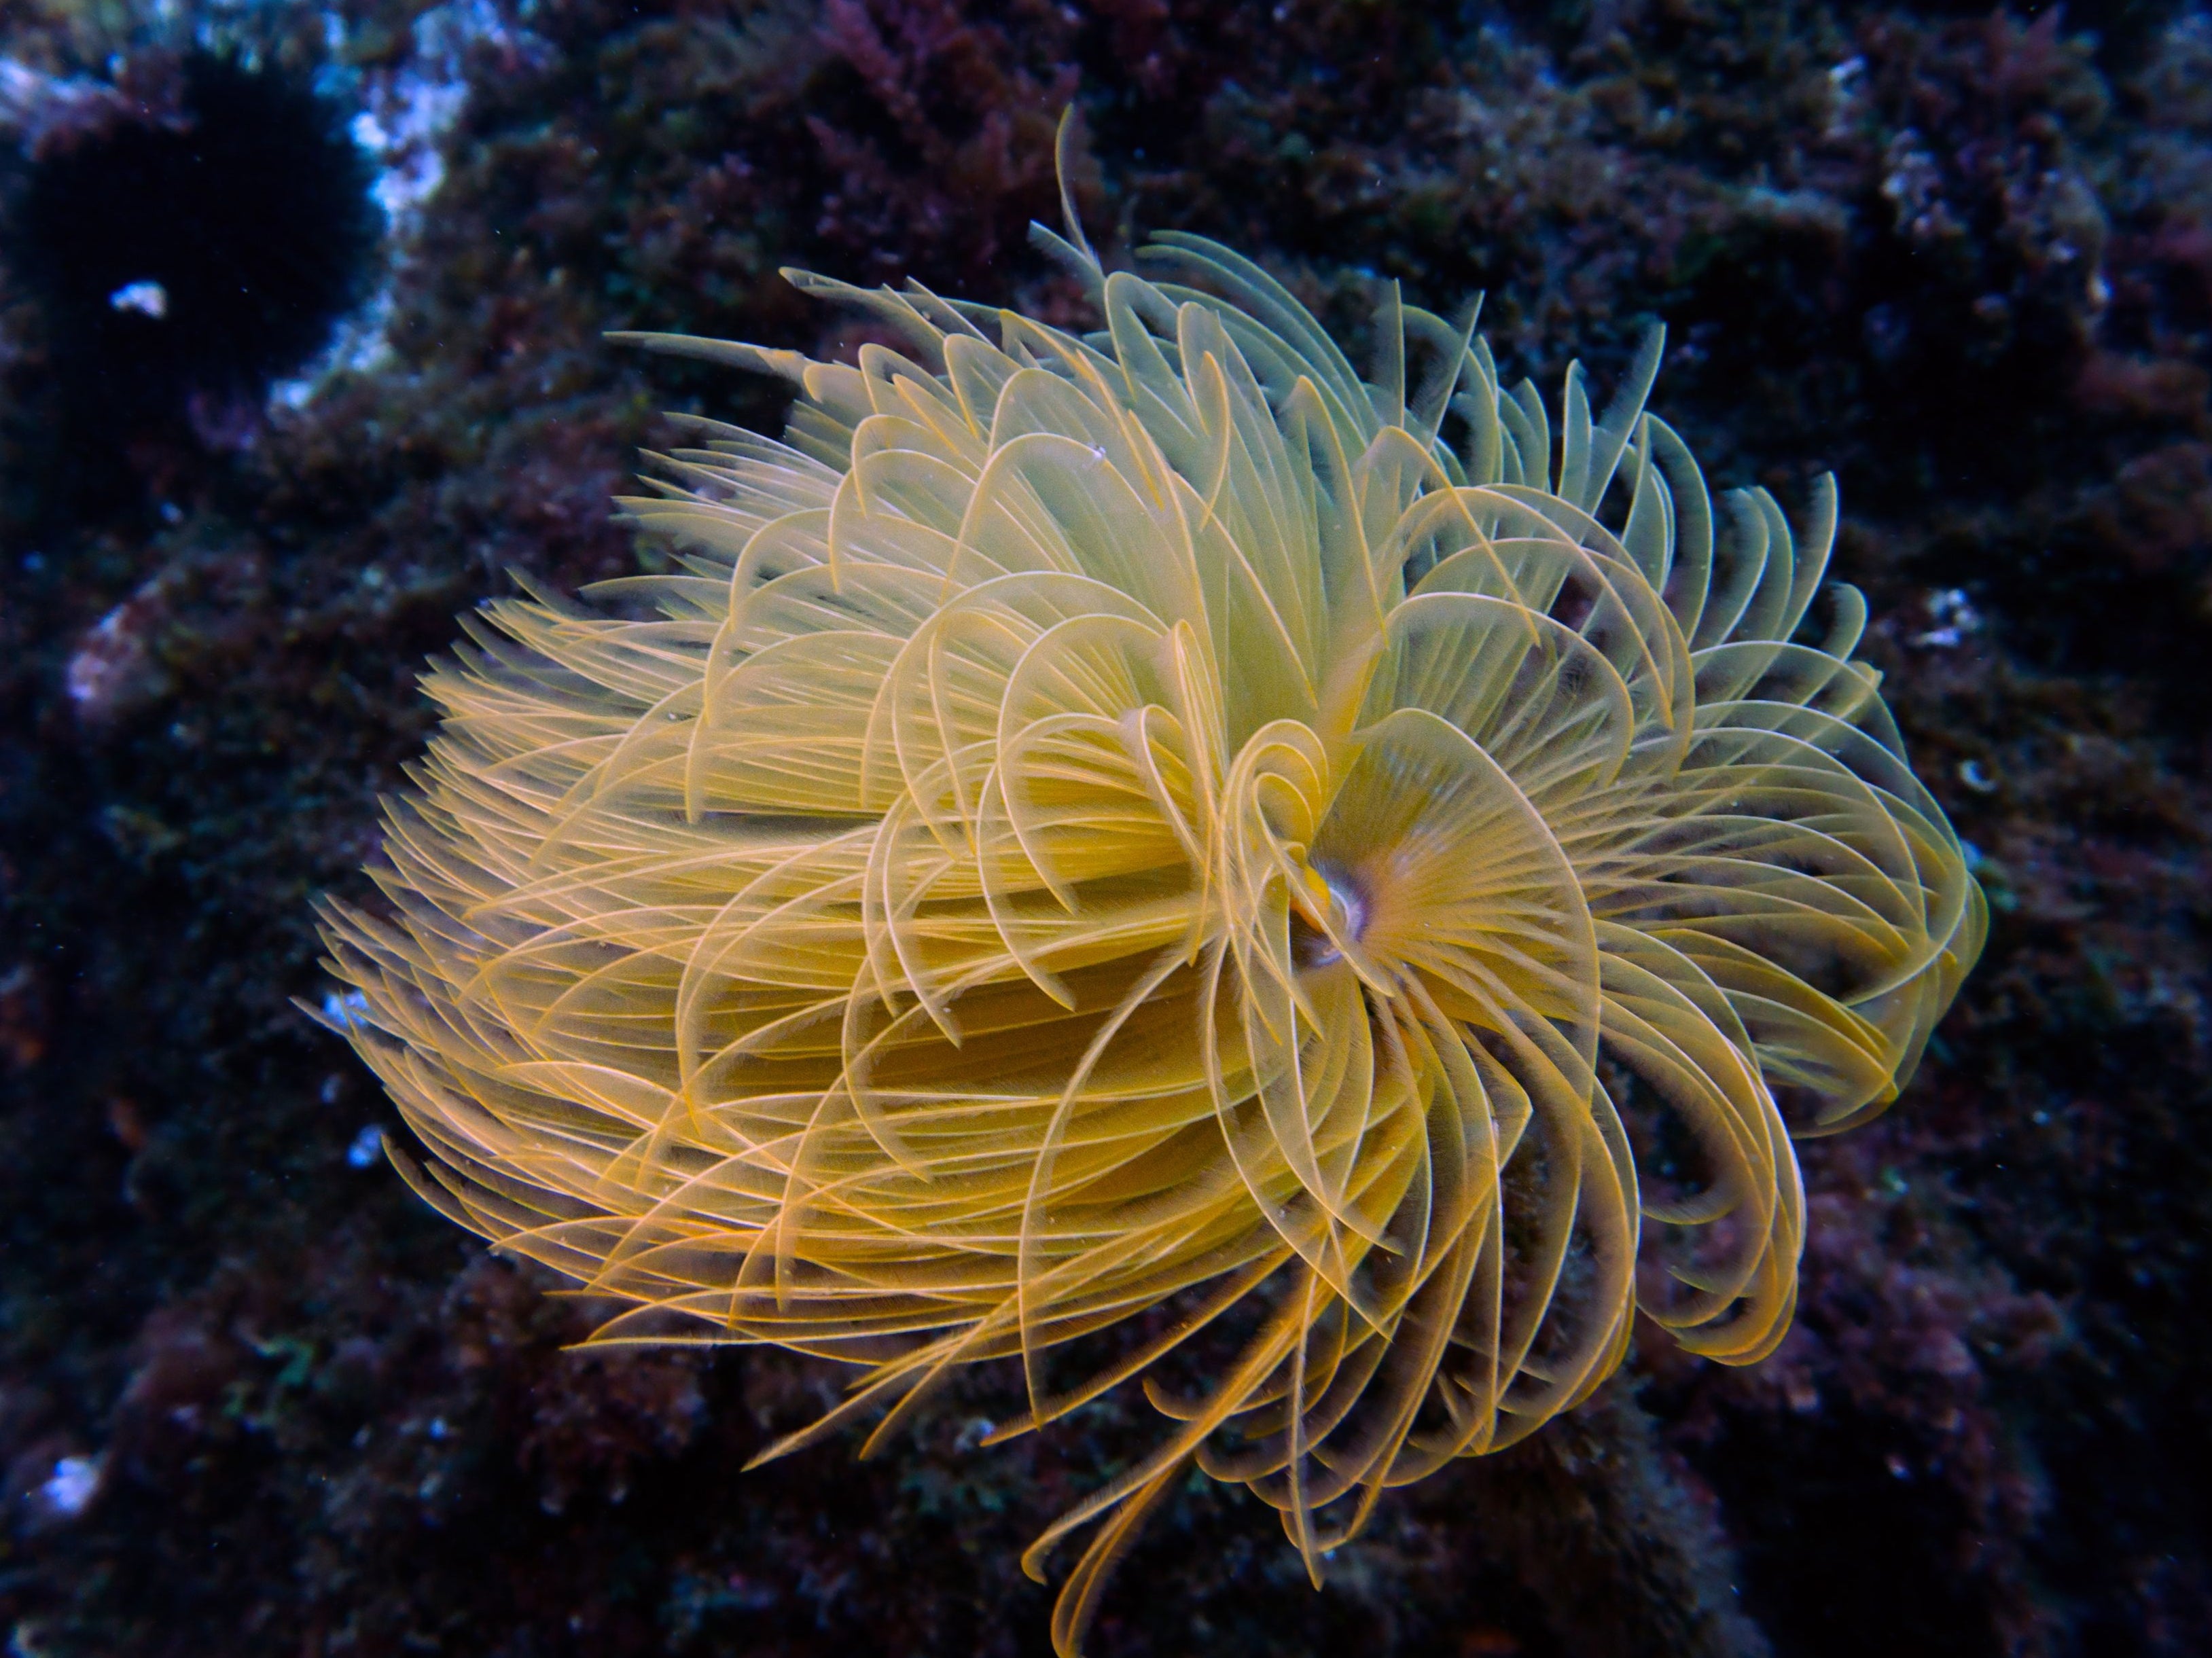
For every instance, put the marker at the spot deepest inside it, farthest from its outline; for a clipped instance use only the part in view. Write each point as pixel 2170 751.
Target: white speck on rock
pixel 68 1491
pixel 148 299
pixel 344 1008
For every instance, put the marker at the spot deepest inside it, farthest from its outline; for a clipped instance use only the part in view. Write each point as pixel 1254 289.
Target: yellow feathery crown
pixel 1156 821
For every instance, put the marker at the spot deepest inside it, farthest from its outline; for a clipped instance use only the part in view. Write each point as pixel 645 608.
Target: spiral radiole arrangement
pixel 1373 865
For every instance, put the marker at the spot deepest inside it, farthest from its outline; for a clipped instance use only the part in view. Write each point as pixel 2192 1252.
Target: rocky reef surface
pixel 254 1399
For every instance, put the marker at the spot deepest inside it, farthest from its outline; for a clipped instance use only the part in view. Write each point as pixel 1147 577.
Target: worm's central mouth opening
pixel 1331 890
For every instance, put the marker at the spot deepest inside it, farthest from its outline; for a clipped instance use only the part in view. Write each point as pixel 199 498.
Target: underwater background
pixel 300 311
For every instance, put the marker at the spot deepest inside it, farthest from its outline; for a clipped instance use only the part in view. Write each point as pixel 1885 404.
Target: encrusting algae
pixel 1157 823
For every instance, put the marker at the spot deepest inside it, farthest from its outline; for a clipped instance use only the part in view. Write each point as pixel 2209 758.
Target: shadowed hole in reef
pixel 1846 1538
pixel 182 256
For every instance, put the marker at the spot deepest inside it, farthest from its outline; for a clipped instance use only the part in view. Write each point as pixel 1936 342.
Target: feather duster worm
pixel 1152 834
